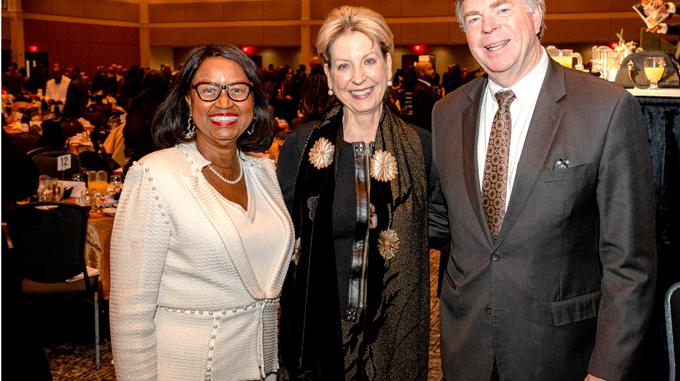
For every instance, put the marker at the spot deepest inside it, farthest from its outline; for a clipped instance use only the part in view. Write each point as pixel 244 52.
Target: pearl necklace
pixel 240 176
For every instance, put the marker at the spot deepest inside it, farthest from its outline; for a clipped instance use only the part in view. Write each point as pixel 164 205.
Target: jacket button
pixel 495 256
pixel 487 310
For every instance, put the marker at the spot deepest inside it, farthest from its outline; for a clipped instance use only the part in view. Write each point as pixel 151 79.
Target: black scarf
pixel 388 338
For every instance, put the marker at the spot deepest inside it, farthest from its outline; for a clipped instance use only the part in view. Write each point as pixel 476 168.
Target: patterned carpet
pixel 70 349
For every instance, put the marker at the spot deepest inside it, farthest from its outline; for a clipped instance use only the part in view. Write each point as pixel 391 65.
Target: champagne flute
pixel 654 70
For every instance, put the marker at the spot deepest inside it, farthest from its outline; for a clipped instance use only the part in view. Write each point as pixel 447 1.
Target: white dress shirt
pixel 521 110
pixel 57 92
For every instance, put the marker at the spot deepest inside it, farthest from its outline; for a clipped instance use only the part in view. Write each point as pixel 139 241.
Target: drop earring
pixel 330 92
pixel 191 129
pixel 251 129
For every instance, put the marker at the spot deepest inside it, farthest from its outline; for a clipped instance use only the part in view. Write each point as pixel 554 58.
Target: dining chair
pixel 47 164
pixel 26 141
pixel 46 263
pixel 672 309
pixel 39 150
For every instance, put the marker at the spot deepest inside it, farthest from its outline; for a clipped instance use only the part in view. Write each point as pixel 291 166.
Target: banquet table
pixel 98 246
pixel 98 249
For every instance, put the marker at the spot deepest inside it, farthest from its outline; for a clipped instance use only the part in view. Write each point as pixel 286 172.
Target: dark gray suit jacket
pixel 424 99
pixel 568 290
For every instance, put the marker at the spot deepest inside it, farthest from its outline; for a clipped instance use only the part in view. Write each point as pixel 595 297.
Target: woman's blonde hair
pixel 348 19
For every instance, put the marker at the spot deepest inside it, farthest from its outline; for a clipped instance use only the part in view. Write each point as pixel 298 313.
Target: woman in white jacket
pixel 202 239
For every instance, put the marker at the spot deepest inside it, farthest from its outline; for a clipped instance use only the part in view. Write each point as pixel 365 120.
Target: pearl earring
pixel 330 92
pixel 389 83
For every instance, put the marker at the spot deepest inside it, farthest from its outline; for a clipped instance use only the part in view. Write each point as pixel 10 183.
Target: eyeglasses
pixel 210 91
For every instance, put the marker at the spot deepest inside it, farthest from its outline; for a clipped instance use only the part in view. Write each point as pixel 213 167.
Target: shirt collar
pixel 527 88
pixel 425 82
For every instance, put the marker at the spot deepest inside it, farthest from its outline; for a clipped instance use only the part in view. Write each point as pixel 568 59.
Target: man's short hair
pixel 528 4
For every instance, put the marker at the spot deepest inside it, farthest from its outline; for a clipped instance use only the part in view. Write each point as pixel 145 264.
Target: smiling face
pixel 220 122
pixel 502 37
pixel 358 73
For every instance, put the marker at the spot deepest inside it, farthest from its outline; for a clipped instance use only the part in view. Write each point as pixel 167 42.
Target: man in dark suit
pixel 77 95
pixel 561 286
pixel 424 97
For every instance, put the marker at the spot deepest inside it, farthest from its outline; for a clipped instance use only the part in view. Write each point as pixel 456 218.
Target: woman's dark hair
pixel 283 73
pixel 170 122
pixel 154 81
pixel 314 97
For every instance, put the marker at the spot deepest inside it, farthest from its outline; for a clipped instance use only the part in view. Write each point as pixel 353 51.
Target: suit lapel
pixel 470 123
pixel 542 129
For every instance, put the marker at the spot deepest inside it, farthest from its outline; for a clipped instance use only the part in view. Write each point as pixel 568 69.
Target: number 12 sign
pixel 63 162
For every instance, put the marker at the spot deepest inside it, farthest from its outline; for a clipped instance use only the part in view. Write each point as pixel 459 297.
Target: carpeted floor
pixel 70 349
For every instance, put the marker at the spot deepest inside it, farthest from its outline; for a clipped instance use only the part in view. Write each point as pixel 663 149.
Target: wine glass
pixel 654 69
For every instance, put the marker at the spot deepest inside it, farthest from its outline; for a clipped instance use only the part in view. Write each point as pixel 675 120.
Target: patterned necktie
pixel 495 184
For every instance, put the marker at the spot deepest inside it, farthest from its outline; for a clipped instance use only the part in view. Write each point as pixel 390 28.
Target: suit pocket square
pixel 576 309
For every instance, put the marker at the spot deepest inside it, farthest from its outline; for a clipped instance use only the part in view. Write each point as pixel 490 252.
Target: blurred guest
pixel 315 66
pixel 38 78
pixel 424 97
pixel 202 239
pixel 356 301
pixel 98 80
pixel 300 74
pixel 133 82
pixel 77 95
pixel 456 80
pixel 167 72
pixel 111 85
pixel 287 96
pixel 13 81
pixel 448 76
pixel 314 98
pixel 137 130
pixel 56 88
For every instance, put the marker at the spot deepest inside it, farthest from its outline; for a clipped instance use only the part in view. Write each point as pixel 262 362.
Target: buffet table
pixel 661 109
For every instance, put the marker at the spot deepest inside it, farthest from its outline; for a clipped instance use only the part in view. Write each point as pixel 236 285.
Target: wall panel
pixel 99 9
pixel 244 36
pixel 168 36
pixel 425 8
pixel 281 35
pixel 75 8
pixel 37 6
pixel 7 30
pixel 167 13
pixel 202 36
pixel 244 10
pixel 425 33
pixel 198 12
pixel 126 12
pixel 281 10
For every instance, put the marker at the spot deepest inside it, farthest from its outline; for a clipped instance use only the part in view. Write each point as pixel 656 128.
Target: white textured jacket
pixel 185 302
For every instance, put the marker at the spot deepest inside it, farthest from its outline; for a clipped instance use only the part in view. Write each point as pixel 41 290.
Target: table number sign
pixel 63 162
